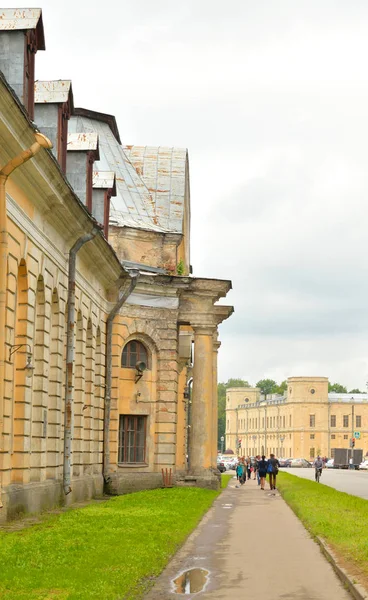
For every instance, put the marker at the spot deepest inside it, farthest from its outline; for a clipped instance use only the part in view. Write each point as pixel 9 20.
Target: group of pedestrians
pixel 260 467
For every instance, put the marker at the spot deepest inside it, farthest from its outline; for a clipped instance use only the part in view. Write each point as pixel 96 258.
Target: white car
pixel 364 465
pixel 330 463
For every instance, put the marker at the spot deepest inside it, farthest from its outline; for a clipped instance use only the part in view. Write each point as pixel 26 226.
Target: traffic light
pixel 352 442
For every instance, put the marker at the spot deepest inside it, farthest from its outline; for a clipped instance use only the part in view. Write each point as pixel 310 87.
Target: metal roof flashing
pixel 82 142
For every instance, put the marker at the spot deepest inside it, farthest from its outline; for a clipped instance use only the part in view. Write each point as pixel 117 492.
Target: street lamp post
pixel 254 437
pixel 282 438
pixel 222 443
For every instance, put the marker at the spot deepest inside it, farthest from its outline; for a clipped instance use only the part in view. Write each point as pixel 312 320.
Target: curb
pixel 356 590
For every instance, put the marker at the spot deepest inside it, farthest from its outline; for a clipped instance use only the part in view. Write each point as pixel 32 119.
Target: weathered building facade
pixel 108 347
pixel 303 423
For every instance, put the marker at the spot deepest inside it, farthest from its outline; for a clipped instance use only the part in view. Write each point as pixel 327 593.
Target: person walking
pixel 239 470
pixel 249 464
pixel 273 469
pixel 318 466
pixel 255 468
pixel 262 471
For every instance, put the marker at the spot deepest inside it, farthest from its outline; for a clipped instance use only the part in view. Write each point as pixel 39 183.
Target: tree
pixel 281 389
pixel 355 391
pixel 221 395
pixel 338 388
pixel 267 386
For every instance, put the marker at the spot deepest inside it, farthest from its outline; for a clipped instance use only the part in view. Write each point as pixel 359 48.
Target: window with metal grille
pixel 333 420
pixel 358 421
pixel 134 352
pixel 312 420
pixel 345 421
pixel 312 452
pixel 132 439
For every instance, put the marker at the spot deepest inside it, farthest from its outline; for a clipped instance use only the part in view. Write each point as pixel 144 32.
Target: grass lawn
pixel 340 519
pixel 225 478
pixel 108 550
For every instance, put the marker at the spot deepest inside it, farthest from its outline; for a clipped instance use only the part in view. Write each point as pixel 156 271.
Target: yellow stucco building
pixel 108 344
pixel 303 423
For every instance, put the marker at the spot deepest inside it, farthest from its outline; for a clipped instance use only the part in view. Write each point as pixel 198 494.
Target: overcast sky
pixel 271 99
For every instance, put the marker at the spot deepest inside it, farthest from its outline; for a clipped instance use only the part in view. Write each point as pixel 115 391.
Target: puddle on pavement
pixel 191 582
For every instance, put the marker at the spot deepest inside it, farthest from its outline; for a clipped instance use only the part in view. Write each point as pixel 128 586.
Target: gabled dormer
pixel 21 36
pixel 53 109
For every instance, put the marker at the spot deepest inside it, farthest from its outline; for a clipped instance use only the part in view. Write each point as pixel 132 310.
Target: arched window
pixel 134 352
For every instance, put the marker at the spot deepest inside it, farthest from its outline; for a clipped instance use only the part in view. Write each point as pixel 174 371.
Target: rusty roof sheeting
pixel 82 141
pixel 103 179
pixel 19 18
pixel 52 91
pixel 163 170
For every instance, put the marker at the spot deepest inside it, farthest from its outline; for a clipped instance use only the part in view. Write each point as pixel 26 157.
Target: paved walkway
pixel 253 547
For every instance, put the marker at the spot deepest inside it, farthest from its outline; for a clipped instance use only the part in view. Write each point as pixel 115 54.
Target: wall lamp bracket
pixel 29 368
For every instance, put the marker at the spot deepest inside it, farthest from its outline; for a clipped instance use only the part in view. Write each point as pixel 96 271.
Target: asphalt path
pixel 351 482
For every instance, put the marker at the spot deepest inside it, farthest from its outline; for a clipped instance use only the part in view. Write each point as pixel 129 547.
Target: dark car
pixel 284 462
pixel 221 466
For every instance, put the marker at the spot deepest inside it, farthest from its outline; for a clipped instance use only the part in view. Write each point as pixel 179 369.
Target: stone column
pixel 201 435
pixel 216 346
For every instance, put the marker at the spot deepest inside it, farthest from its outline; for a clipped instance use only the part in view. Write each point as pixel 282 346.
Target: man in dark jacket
pixel 273 469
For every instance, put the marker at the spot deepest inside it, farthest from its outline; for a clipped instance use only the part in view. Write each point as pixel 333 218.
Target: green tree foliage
pixel 337 387
pixel 221 394
pixel 267 386
pixel 281 389
pixel 355 391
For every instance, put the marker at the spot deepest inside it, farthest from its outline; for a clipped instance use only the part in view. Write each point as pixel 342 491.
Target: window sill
pixel 132 465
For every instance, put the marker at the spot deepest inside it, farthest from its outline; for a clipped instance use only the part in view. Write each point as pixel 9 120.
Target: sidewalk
pixel 253 547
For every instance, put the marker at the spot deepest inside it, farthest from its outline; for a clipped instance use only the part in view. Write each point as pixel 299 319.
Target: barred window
pixel 345 421
pixel 333 420
pixel 134 352
pixel 312 452
pixel 312 420
pixel 132 439
pixel 358 421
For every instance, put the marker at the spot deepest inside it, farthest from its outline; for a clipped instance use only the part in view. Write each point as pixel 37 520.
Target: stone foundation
pixel 126 483
pixel 37 497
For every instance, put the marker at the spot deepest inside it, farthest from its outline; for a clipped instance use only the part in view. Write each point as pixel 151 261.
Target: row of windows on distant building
pixel 277 422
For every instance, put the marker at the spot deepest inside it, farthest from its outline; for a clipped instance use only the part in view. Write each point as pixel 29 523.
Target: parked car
pixel 330 463
pixel 300 463
pixel 284 462
pixel 363 465
pixel 221 466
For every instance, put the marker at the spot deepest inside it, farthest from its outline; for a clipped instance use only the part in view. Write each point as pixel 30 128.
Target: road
pixel 351 482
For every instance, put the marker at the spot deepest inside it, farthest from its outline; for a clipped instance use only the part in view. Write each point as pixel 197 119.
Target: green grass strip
pixel 225 478
pixel 339 518
pixel 108 550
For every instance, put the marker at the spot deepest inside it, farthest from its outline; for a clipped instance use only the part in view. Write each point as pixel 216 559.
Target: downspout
pixel 134 275
pixel 70 358
pixel 41 142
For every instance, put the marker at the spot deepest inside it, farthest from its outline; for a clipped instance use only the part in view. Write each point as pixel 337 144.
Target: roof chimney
pixel 21 35
pixel 82 153
pixel 53 107
pixel 104 186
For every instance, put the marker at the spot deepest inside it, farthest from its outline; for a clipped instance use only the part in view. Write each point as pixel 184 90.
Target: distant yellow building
pixel 307 421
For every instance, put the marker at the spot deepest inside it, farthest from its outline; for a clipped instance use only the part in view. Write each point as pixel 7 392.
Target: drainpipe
pixel 70 359
pixel 41 142
pixel 108 381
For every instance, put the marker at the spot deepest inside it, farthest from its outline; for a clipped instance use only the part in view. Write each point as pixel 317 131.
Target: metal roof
pixel 347 398
pixel 163 170
pixel 52 91
pixel 13 19
pixel 82 141
pixel 19 18
pixel 150 181
pixel 103 179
